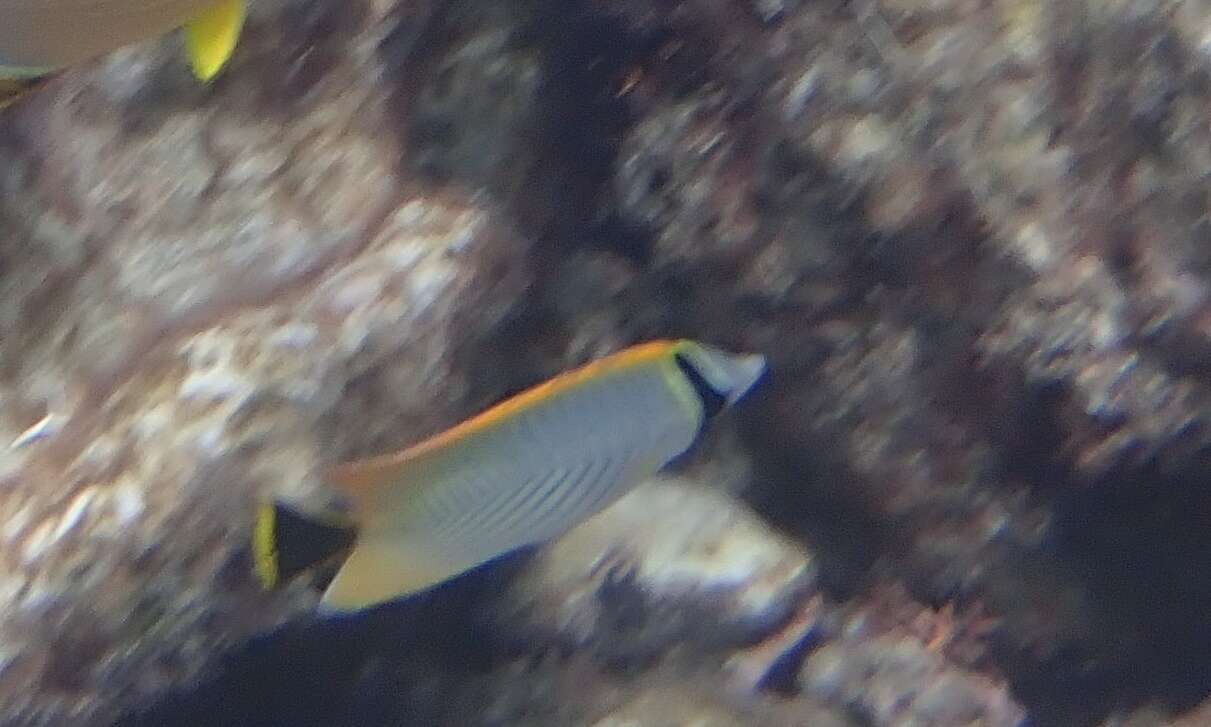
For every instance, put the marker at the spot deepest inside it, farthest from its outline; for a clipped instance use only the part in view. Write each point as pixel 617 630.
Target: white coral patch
pixel 218 384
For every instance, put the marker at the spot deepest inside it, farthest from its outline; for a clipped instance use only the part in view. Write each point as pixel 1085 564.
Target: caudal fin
pixel 287 543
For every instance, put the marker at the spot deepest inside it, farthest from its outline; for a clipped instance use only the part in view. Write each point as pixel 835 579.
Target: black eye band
pixel 712 401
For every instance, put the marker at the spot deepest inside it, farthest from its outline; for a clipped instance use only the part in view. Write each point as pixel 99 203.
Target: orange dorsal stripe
pixel 357 477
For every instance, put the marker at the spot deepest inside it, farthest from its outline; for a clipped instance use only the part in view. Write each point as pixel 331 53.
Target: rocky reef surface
pixel 972 238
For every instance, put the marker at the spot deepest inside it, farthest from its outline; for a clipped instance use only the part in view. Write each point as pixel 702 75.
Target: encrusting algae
pixel 518 474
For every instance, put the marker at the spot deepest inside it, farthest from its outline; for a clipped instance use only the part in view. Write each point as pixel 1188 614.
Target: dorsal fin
pixel 370 483
pixel 362 480
pixel 357 479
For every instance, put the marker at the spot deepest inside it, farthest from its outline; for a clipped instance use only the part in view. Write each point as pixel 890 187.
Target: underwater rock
pixel 1200 715
pixel 573 691
pixel 892 661
pixel 971 237
pixel 1155 716
pixel 659 706
pixel 973 240
pixel 215 293
pixel 673 563
pixel 893 681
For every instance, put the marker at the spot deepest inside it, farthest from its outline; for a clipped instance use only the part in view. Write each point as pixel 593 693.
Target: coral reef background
pixel 972 237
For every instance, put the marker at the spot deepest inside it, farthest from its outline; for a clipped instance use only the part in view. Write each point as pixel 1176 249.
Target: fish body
pixel 518 474
pixel 39 37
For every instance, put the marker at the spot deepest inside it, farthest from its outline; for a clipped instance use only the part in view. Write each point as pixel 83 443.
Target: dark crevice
pixel 584 115
pixel 1030 452
pixel 845 535
pixel 351 670
pixel 1139 540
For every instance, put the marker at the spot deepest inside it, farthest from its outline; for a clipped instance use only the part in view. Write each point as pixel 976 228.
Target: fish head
pixel 730 375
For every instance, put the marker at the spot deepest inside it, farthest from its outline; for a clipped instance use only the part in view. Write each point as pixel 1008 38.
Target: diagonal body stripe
pixel 528 469
pixel 644 359
pixel 524 474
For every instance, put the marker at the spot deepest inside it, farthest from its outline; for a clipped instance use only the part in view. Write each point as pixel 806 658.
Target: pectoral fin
pixel 210 38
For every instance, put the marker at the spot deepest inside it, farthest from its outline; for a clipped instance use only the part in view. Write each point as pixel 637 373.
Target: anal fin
pixel 383 569
pixel 211 37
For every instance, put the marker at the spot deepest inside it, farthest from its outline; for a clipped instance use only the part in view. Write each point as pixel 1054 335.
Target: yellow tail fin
pixel 210 38
pixel 286 543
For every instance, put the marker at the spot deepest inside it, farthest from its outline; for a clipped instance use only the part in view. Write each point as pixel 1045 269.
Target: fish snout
pixel 747 371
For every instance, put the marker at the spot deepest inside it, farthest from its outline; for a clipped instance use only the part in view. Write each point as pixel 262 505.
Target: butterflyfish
pixel 41 37
pixel 518 474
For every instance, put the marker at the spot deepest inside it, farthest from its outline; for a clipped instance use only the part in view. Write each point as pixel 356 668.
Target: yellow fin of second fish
pixel 210 38
pixel 12 89
pixel 384 569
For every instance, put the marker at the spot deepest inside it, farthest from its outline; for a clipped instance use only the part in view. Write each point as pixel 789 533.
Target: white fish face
pixel 746 370
pixel 730 374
